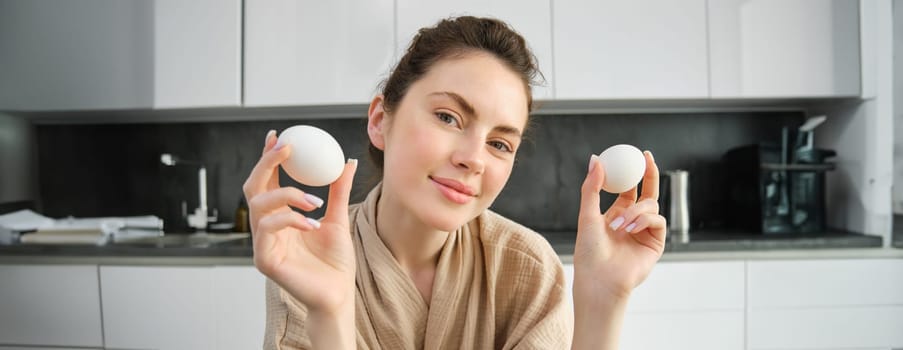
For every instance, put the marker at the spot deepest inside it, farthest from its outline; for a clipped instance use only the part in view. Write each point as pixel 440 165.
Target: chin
pixel 446 222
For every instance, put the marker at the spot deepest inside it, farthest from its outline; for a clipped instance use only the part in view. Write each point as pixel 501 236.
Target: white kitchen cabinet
pixel 41 348
pixel 532 19
pixel 648 49
pixel 50 305
pixel 791 48
pixel 190 307
pixel 197 53
pixel 111 54
pixel 316 52
pixel 825 304
pixel 239 307
pixel 165 308
pixel 685 305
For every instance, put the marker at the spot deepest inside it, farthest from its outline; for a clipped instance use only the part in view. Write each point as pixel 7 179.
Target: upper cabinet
pixel 162 54
pixel 316 52
pixel 646 49
pixel 791 48
pixel 197 53
pixel 110 54
pixel 531 18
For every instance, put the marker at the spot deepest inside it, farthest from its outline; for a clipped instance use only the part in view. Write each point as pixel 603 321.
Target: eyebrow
pixel 468 108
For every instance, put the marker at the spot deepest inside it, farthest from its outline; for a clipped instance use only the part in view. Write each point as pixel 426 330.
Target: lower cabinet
pixel 172 308
pixel 825 304
pixel 42 348
pixel 685 305
pixel 849 304
pixel 158 307
pixel 49 306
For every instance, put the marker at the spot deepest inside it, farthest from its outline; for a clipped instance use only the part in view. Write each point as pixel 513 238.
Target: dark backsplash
pixel 115 169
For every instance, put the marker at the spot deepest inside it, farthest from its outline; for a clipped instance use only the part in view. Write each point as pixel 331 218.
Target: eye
pixel 501 146
pixel 447 118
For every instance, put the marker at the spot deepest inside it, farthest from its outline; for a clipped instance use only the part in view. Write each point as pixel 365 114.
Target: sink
pixel 184 240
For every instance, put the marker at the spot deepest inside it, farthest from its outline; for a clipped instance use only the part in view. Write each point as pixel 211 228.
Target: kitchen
pixel 98 90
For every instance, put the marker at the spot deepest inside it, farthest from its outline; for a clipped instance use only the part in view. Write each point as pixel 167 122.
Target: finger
pixel 650 178
pixel 627 217
pixel 269 141
pixel 625 199
pixel 644 221
pixel 273 223
pixel 589 192
pixel 340 193
pixel 279 198
pixel 268 144
pixel 653 236
pixel 266 169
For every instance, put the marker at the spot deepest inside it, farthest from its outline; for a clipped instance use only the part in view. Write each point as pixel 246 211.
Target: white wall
pixel 859 193
pixel 898 106
pixel 17 154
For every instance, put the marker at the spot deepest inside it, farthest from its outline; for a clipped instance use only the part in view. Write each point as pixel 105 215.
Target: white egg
pixel 316 159
pixel 624 167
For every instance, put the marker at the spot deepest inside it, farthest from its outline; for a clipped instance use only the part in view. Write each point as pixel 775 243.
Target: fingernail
pixel 650 155
pixel 267 138
pixel 313 222
pixel 278 147
pixel 617 223
pixel 313 200
pixel 352 161
pixel 630 227
pixel 592 160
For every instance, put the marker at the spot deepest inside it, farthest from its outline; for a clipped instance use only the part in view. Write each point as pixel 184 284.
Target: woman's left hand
pixel 617 249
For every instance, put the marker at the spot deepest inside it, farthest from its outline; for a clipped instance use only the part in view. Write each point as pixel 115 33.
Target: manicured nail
pixel 617 223
pixel 650 155
pixel 592 161
pixel 351 161
pixel 267 138
pixel 313 200
pixel 630 227
pixel 313 222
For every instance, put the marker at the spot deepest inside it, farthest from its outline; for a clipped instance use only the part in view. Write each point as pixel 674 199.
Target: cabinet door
pixel 111 54
pixel 240 307
pixel 197 53
pixel 644 49
pixel 698 330
pixel 316 52
pixel 164 308
pixel 685 305
pixel 50 305
pixel 531 18
pixel 791 48
pixel 63 55
pixel 825 304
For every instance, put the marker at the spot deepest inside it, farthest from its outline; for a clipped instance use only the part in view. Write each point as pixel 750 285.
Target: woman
pixel 426 264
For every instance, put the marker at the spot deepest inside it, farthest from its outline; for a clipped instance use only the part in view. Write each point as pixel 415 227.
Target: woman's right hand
pixel 313 261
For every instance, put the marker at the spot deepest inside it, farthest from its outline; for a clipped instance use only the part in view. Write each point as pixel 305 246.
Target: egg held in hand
pixel 624 167
pixel 316 159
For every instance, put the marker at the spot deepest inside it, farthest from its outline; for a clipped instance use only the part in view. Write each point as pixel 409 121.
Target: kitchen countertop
pixel 699 246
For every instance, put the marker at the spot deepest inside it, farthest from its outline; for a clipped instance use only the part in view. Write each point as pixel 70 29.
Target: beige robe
pixel 498 285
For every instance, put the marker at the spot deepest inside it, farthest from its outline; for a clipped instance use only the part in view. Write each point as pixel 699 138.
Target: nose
pixel 469 155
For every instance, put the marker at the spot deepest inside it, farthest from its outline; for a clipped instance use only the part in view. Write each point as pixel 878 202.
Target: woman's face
pixel 450 144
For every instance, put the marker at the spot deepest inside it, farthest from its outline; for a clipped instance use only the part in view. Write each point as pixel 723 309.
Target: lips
pixel 453 190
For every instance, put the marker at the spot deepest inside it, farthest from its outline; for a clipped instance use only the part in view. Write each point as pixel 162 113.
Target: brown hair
pixel 455 37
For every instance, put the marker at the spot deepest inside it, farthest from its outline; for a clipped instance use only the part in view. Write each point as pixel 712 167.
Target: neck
pixel 414 244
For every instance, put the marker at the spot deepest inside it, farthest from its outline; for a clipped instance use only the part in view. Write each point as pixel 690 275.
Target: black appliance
pixel 773 189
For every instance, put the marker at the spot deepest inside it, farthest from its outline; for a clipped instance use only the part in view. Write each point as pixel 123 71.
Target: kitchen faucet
pixel 199 218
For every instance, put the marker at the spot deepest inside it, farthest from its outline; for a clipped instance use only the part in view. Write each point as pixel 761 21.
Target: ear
pixel 376 123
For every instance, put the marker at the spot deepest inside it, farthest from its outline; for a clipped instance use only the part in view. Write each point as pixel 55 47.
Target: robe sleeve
pixel 285 320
